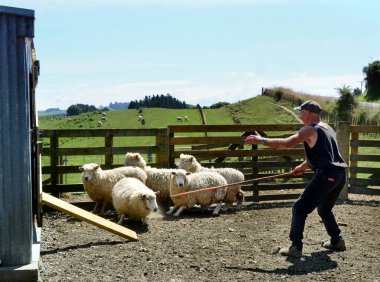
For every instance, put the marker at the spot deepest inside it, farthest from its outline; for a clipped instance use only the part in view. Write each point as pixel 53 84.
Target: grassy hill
pixel 257 110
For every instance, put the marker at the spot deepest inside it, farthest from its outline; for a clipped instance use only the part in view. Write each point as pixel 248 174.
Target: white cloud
pixel 192 92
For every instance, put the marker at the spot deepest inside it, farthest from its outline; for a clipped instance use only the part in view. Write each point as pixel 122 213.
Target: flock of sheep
pixel 135 190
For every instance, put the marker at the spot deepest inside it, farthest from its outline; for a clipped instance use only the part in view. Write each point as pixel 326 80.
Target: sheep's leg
pixel 171 210
pixel 103 210
pixel 144 221
pixel 179 211
pixel 217 209
pixel 121 219
pixel 96 208
pixel 226 206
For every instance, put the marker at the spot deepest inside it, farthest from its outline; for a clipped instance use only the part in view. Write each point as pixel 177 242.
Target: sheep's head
pixel 88 171
pixel 187 162
pixel 150 202
pixel 134 159
pixel 180 177
pixel 240 197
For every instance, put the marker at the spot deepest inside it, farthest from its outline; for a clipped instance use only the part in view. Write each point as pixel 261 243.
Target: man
pixel 323 157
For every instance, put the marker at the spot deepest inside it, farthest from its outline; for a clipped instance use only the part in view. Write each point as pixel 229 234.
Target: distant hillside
pixel 257 110
pixel 52 112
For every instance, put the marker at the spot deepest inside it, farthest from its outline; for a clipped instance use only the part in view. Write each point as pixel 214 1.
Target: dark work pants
pixel 321 192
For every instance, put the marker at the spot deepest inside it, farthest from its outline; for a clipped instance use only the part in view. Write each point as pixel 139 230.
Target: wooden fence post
pixel 108 158
pixel 54 143
pixel 343 139
pixel 162 142
pixel 255 172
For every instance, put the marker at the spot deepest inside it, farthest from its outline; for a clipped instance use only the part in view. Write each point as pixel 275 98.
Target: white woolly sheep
pixel 140 118
pixel 132 199
pixel 179 118
pixel 234 193
pixel 134 159
pixel 158 179
pixel 183 181
pixel 186 118
pixel 100 123
pixel 98 183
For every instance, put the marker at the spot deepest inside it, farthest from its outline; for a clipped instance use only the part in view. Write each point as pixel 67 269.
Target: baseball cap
pixel 310 106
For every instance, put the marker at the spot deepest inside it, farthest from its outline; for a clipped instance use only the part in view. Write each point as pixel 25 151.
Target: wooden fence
pixel 54 183
pixel 212 145
pixel 364 160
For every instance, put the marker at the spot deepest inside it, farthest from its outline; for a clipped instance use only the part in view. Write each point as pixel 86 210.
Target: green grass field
pixel 257 110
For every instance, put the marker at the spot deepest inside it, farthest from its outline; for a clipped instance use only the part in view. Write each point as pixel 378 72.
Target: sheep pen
pixel 238 245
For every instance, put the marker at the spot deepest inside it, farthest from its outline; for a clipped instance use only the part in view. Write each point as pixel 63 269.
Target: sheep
pixel 186 118
pixel 103 114
pixel 98 183
pixel 132 199
pixel 140 118
pixel 183 181
pixel 158 179
pixel 103 119
pixel 134 159
pixel 100 123
pixel 234 193
pixel 179 118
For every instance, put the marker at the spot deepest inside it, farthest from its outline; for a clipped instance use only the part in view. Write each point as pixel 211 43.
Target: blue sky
pixel 101 51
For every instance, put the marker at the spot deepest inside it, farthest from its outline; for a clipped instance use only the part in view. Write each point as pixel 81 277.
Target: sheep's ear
pixel 81 168
pixel 96 167
pixel 157 192
pixel 191 159
pixel 173 173
pixel 143 197
pixel 188 173
pixel 137 157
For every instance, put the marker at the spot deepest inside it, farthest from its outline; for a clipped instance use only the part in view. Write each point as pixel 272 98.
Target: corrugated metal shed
pixel 16 135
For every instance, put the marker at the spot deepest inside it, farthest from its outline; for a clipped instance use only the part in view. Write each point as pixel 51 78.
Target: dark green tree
pixel 372 73
pixel 74 110
pixel 357 92
pixel 219 105
pixel 345 104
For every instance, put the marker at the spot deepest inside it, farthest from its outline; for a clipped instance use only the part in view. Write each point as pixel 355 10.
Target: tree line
pixel 159 101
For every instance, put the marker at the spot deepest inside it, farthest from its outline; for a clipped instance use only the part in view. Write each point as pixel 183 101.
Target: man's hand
pixel 253 139
pixel 300 169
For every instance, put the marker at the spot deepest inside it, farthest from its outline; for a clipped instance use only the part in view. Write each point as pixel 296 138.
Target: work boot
pixel 291 251
pixel 338 246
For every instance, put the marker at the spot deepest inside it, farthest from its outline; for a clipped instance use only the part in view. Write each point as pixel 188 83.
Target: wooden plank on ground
pixel 86 216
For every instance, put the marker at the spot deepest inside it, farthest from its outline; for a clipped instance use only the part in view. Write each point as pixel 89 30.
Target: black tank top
pixel 325 153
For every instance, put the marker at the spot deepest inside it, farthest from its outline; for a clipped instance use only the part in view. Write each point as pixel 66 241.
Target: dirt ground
pixel 235 246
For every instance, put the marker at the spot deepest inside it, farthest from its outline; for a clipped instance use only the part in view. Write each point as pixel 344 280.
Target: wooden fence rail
pixel 222 146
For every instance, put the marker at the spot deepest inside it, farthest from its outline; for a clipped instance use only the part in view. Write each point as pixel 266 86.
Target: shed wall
pixel 16 219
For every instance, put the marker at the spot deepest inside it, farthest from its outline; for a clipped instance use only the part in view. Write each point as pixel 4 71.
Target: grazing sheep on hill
pixel 234 193
pixel 186 118
pixel 158 179
pixel 183 181
pixel 179 118
pixel 98 183
pixel 132 199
